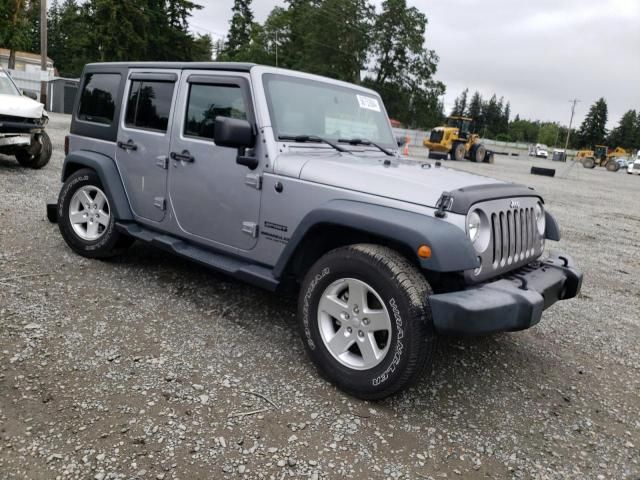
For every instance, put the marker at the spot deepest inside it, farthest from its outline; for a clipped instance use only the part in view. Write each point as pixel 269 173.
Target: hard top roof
pixel 232 66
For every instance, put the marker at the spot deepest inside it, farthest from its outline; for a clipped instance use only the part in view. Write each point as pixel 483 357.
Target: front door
pixel 143 140
pixel 210 193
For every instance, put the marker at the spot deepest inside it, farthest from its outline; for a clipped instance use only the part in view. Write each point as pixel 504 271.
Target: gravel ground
pixel 148 366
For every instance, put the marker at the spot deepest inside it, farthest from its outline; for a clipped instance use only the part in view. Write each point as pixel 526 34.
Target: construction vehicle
pixel 601 156
pixel 454 139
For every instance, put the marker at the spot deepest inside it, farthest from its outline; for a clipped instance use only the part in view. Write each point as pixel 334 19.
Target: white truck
pixel 22 124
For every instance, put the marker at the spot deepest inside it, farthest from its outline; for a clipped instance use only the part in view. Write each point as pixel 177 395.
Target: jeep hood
pixel 404 180
pixel 20 106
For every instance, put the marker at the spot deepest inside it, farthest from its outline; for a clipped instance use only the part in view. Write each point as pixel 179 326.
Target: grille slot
pixel 513 234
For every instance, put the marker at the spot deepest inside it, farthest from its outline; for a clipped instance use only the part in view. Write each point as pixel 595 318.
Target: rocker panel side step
pixel 237 268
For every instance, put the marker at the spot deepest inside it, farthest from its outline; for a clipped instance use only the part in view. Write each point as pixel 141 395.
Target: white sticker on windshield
pixel 369 103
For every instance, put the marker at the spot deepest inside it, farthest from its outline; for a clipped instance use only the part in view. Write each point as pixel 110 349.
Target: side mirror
pixel 233 133
pixel 31 95
pixel 236 133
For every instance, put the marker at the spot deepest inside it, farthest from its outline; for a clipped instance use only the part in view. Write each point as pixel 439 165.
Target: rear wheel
pixel 457 152
pixel 589 162
pixel 365 320
pixel 85 217
pixel 38 154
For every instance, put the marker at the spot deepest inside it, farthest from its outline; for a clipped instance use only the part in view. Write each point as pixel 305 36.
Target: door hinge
pixel 250 228
pixel 254 180
pixel 163 162
pixel 159 202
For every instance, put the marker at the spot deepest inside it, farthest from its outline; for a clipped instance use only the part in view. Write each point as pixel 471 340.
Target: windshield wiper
pixel 312 138
pixel 362 141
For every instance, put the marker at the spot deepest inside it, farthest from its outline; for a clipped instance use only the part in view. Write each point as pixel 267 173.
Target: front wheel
pixel 85 217
pixel 458 152
pixel 38 154
pixel 612 166
pixel 365 320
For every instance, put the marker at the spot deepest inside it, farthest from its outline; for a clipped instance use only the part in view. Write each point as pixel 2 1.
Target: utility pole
pixel 573 111
pixel 43 51
pixel 276 48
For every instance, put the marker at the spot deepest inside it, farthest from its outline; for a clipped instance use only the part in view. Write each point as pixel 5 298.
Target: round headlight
pixel 473 226
pixel 540 218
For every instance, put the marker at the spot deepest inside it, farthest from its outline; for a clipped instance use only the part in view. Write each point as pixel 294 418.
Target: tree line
pixel 491 120
pixel 349 40
pixel 81 32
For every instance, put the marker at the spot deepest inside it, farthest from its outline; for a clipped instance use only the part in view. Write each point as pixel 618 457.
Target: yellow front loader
pixel 601 156
pixel 455 140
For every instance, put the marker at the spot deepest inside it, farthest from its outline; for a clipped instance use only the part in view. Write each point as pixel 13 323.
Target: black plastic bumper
pixel 509 304
pixel 19 127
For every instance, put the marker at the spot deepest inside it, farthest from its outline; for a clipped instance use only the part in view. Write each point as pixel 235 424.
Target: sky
pixel 538 54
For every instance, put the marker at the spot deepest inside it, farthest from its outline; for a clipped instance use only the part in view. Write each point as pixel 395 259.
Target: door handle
pixel 127 146
pixel 185 156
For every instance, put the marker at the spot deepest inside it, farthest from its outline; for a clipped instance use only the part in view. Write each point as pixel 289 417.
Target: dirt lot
pixel 149 366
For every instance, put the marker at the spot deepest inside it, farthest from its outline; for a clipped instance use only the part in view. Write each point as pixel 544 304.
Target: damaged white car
pixel 22 124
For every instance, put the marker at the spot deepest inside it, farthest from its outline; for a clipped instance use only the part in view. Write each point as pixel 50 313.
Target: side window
pixel 97 101
pixel 206 102
pixel 149 105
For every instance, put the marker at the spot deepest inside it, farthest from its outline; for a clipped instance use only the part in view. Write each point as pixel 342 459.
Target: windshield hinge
pixel 254 180
pixel 445 202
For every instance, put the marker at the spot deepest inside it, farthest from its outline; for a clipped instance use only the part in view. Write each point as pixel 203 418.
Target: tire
pixel 589 162
pixel 457 152
pixel 105 241
pixel 612 166
pixel 38 154
pixel 478 154
pixel 403 345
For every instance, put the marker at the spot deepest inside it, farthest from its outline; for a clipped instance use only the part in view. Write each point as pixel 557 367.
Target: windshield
pixel 300 106
pixel 6 85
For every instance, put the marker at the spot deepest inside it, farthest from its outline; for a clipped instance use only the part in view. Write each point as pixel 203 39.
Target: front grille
pixel 11 118
pixel 436 136
pixel 514 235
pixel 636 166
pixel 514 239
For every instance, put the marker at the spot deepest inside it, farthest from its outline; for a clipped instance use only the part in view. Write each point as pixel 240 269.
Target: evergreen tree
pixel 625 135
pixel 474 111
pixel 460 104
pixel 593 130
pixel 240 29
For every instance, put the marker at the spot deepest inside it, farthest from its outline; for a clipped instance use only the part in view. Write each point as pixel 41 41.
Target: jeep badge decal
pixel 514 204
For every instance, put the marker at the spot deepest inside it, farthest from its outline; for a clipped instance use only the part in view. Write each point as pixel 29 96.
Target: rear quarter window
pixel 98 98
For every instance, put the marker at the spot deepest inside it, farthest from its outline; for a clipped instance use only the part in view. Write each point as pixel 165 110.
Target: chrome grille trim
pixel 515 240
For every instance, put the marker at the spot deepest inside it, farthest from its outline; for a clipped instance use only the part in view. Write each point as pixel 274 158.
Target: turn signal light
pixel 424 251
pixel 66 145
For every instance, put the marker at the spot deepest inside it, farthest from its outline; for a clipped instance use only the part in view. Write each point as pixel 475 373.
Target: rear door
pixel 213 198
pixel 143 140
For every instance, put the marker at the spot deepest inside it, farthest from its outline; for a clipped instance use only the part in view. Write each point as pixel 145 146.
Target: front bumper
pixel 514 302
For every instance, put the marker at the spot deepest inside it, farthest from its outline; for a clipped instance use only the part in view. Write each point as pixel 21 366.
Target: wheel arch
pixel 107 171
pixel 345 222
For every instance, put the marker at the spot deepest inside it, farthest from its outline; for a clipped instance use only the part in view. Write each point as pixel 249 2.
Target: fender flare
pixel 452 250
pixel 106 169
pixel 552 230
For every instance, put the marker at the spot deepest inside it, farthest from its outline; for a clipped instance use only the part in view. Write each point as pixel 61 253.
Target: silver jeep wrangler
pixel 285 179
